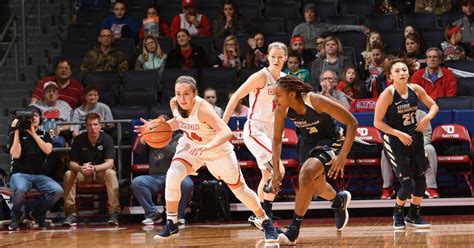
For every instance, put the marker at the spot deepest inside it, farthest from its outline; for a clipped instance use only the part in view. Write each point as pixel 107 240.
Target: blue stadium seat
pixel 250 11
pixel 381 22
pixel 466 86
pixel 75 49
pixel 420 20
pixel 93 16
pixel 168 12
pixel 463 65
pixel 204 42
pixel 457 102
pixel 357 7
pixel 138 97
pixel 365 118
pixel 353 39
pixel 127 45
pixel 465 118
pixel 282 10
pixel 266 26
pixel 343 20
pixel 450 17
pixel 168 80
pixel 129 112
pixel 443 117
pixel 141 80
pixel 211 11
pixel 245 73
pixel 433 36
pixel 324 10
pixel 83 32
pixel 350 52
pixel 105 81
pixel 223 80
pixel 137 13
pixel 166 44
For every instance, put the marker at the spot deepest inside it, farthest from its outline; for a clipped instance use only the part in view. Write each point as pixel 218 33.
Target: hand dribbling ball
pixel 159 134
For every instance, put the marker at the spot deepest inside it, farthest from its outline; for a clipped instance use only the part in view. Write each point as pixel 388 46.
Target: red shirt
pixel 341 86
pixel 72 93
pixel 445 84
pixel 204 29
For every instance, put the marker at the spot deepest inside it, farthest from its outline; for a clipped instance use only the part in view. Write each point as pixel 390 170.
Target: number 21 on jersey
pixel 409 118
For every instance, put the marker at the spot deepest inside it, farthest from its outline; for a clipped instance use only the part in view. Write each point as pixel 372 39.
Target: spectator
pixel 70 90
pixel 146 187
pixel 453 49
pixel 381 82
pixel 351 85
pixel 229 22
pixel 121 24
pixel 152 58
pixel 319 45
pixel 186 55
pixel 332 59
pixel 374 38
pixel 210 96
pixel 240 109
pixel 92 105
pixel 92 160
pixel 196 24
pixel 153 25
pixel 230 56
pixel 431 186
pixel 374 67
pixel 467 22
pixel 438 81
pixel 311 29
pixel 293 67
pixel 29 150
pixel 306 56
pixel 412 48
pixel 257 55
pixel 105 56
pixel 328 81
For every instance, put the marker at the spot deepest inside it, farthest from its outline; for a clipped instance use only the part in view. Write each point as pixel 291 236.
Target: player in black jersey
pixel 325 144
pixel 403 138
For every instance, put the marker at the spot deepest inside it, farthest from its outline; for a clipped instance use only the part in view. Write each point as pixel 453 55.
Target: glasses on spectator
pixel 63 68
pixel 106 36
pixel 330 79
pixel 149 43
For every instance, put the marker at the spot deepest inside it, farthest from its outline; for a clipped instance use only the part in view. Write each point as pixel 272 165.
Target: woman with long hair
pixel 152 57
pixel 230 56
pixel 229 22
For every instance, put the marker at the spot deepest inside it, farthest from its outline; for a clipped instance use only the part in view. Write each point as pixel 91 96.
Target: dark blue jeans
pixel 22 183
pixel 146 188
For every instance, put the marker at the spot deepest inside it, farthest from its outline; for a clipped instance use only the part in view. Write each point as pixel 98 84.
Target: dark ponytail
pixel 293 84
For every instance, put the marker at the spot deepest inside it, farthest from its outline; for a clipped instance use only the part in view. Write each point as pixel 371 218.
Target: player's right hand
pixel 142 128
pixel 404 138
pixel 276 181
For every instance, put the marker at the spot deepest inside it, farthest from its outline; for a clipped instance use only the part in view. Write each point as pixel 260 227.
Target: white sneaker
pixel 254 222
pixel 151 221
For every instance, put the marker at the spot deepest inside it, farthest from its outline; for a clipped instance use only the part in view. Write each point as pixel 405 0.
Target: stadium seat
pixel 250 11
pixel 166 44
pixel 169 78
pixel 290 24
pixel 457 102
pixel 168 12
pixel 343 20
pixel 127 45
pixel 443 117
pixel 466 86
pixel 357 7
pixel 245 2
pixel 266 26
pixel 93 16
pixel 463 65
pixel 350 52
pixel 365 118
pixel 204 42
pixel 108 83
pixel 138 97
pixel 453 147
pixel 353 39
pixel 324 10
pixel 281 37
pixel 420 20
pixel 137 13
pixel 392 40
pixel 211 11
pixel 75 49
pixel 285 10
pixel 130 112
pixel 381 22
pixel 465 118
pixel 223 80
pixel 160 109
pixel 245 73
pixel 450 17
pixel 83 32
pixel 140 3
pixel 141 80
pixel 433 36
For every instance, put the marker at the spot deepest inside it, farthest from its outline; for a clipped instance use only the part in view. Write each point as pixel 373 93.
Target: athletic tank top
pixel 199 133
pixel 261 100
pixel 312 126
pixel 401 114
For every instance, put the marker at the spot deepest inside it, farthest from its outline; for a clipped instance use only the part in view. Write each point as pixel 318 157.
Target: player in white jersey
pixel 205 141
pixel 258 130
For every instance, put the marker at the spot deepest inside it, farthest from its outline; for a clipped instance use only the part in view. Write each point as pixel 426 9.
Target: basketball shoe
pixel 341 213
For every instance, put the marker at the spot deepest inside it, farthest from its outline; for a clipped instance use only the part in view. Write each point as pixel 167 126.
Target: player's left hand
pixel 198 150
pixel 422 124
pixel 337 167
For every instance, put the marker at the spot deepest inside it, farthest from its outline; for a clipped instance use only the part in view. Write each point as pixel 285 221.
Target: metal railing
pixel 11 45
pixel 24 14
pixel 119 147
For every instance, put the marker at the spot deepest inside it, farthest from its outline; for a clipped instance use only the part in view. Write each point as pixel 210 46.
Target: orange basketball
pixel 159 134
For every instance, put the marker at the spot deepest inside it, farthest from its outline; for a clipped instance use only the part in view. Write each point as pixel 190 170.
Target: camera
pixel 24 119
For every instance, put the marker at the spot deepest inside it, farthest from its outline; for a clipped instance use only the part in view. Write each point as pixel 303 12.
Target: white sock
pixel 172 216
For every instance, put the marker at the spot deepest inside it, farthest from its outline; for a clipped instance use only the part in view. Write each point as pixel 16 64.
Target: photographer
pixel 29 148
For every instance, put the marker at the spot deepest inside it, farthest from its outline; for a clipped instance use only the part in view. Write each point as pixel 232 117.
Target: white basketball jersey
pixel 199 133
pixel 261 100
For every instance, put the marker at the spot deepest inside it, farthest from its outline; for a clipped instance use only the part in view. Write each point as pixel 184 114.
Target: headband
pixel 297 38
pixel 453 30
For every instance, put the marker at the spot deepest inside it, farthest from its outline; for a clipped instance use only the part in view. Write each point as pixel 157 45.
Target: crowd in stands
pixel 315 48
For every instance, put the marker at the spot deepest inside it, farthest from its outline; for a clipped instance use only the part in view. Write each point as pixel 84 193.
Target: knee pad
pixel 406 189
pixel 175 175
pixel 420 186
pixel 247 197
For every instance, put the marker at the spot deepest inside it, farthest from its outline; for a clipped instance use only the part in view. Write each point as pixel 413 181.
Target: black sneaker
pixel 39 218
pixel 169 229
pixel 14 224
pixel 398 221
pixel 114 219
pixel 417 222
pixel 70 221
pixel 290 236
pixel 270 233
pixel 341 213
pixel 254 222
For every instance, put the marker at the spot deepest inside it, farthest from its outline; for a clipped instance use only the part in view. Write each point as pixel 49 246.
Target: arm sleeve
pixel 75 151
pixel 75 117
pixel 164 29
pixel 205 26
pixel 139 63
pixel 87 64
pixel 174 27
pixel 451 85
pixel 344 28
pixel 38 91
pixel 109 152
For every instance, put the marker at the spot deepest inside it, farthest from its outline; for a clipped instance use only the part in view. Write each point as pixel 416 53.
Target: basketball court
pixel 446 231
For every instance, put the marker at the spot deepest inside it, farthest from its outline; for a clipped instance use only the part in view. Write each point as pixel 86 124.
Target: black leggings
pixel 417 186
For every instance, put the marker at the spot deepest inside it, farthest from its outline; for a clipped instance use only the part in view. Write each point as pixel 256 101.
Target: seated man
pixel 430 152
pixel 146 187
pixel 92 106
pixel 29 149
pixel 92 161
pixel 197 24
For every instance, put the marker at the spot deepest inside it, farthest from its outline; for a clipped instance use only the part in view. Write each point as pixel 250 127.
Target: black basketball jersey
pixel 312 126
pixel 401 114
